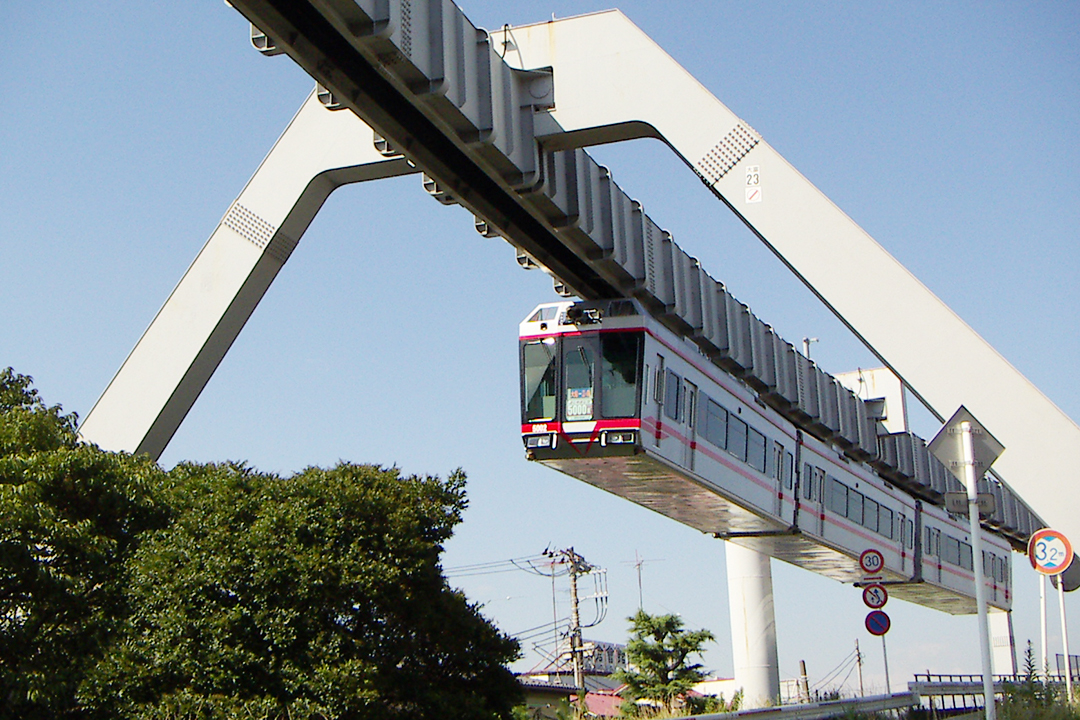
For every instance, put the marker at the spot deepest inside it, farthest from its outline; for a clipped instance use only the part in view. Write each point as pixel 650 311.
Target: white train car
pixel 616 399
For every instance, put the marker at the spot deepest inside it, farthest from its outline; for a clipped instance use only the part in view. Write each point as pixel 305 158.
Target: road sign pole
pixel 1042 625
pixel 885 657
pixel 1065 637
pixel 977 565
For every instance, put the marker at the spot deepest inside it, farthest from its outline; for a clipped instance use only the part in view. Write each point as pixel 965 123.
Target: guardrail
pixel 954 690
pixel 822 710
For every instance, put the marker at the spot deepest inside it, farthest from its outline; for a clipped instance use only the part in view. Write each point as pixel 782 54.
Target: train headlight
pixel 538 441
pixel 626 437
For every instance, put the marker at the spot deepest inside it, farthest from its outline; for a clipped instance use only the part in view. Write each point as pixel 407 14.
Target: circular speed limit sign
pixel 1050 552
pixel 871 562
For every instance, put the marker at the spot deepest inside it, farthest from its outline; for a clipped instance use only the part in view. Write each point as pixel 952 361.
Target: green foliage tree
pixel 70 514
pixel 659 653
pixel 216 591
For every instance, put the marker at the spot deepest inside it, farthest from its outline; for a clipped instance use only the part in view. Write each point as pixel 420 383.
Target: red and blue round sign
pixel 878 623
pixel 1050 552
pixel 875 596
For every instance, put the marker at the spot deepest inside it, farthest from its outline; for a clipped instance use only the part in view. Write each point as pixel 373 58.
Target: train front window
pixel 620 353
pixel 578 374
pixel 540 394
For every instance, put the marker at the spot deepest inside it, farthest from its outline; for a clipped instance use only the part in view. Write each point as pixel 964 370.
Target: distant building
pixel 552 687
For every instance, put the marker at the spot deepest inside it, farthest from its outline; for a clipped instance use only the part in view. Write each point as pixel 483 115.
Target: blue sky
pixel 948 131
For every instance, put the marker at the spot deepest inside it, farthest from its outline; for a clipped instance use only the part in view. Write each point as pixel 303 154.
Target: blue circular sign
pixel 877 623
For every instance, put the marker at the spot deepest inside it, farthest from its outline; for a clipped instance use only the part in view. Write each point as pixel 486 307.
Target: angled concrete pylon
pixel 156 386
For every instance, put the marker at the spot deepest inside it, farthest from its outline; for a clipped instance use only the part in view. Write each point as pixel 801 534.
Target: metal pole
pixel 1042 625
pixel 1065 637
pixel 885 655
pixel 977 565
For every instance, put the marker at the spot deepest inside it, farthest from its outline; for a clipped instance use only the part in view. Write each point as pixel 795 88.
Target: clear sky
pixel 949 131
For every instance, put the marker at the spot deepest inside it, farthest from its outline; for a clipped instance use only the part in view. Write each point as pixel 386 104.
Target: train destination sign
pixel 872 562
pixel 1050 552
pixel 877 622
pixel 875 596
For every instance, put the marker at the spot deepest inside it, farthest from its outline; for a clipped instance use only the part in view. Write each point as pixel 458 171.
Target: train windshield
pixel 539 375
pixel 582 377
pixel 620 352
pixel 578 369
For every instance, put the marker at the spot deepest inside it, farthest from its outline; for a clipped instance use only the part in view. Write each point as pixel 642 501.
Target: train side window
pixel 819 485
pixel 716 419
pixel 837 497
pixel 755 449
pixel 775 457
pixel 690 391
pixel 965 557
pixel 807 481
pixel 578 365
pixel 658 383
pixel 789 469
pixel 855 507
pixel 905 531
pixel 736 437
pixel 672 395
pixel 909 528
pixel 870 515
pixel 950 550
pixel 539 377
pixel 885 522
pixel 619 354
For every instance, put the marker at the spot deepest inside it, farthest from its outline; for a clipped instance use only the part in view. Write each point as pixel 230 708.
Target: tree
pixel 70 514
pixel 216 591
pixel 317 595
pixel 658 652
pixel 1035 698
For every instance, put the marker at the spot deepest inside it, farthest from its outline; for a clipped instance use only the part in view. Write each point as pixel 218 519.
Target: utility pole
pixel 576 565
pixel 858 660
pixel 804 683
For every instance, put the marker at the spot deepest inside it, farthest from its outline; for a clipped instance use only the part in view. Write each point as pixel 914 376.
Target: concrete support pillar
pixel 753 626
pixel 1003 643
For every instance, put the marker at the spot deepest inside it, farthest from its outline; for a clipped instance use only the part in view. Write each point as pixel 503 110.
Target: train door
pixel 774 470
pixel 819 500
pixel 671 420
pixel 787 484
pixel 658 400
pixel 905 535
pixel 690 415
pixel 811 482
pixel 932 554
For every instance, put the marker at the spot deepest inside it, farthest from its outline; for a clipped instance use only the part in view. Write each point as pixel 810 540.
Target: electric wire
pixel 832 674
pixel 844 681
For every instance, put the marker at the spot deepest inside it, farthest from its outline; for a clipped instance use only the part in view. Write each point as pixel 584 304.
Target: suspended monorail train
pixel 613 397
